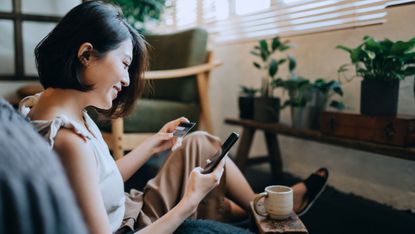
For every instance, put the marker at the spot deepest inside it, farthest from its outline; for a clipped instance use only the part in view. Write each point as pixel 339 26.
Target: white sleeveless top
pixel 110 181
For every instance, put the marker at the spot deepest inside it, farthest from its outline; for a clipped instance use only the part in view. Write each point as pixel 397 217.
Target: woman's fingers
pixel 218 172
pixel 165 135
pixel 171 126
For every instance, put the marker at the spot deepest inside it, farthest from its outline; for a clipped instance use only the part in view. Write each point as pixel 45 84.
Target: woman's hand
pixel 199 185
pixel 164 139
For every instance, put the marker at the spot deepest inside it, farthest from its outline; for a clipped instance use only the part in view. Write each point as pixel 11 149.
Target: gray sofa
pixel 34 193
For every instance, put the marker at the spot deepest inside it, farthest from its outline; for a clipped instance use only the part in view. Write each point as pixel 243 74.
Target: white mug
pixel 278 202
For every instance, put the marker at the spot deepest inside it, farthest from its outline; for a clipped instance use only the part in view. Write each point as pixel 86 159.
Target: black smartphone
pixel 183 128
pixel 225 149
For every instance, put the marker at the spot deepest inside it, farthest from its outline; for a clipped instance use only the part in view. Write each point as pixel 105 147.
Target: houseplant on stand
pixel 266 107
pixel 382 65
pixel 308 100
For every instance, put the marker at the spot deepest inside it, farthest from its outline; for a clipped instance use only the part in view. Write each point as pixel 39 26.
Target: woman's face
pixel 108 75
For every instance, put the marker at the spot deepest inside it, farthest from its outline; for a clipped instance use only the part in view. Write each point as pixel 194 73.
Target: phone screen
pixel 183 128
pixel 225 149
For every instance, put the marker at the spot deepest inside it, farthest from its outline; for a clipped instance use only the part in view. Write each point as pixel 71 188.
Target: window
pixel 236 20
pixel 247 7
pixel 23 23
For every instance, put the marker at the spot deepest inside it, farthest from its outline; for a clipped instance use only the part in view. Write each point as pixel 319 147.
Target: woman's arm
pixel 159 142
pixel 80 165
pixel 197 187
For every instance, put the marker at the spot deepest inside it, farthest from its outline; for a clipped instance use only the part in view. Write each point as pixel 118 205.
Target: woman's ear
pixel 84 53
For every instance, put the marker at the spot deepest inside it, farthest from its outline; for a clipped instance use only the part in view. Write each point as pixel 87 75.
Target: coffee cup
pixel 278 202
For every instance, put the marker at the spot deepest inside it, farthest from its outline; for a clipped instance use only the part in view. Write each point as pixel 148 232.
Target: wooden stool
pixel 290 225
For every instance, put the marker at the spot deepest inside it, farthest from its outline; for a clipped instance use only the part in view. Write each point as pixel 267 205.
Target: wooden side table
pixel 292 224
pixel 272 130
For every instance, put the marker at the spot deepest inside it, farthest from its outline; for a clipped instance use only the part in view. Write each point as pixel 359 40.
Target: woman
pixel 94 58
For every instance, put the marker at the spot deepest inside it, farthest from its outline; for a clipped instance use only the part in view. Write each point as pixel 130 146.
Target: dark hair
pixel 103 26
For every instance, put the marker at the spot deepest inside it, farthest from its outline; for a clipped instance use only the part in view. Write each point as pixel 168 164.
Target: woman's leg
pixel 237 187
pixel 165 190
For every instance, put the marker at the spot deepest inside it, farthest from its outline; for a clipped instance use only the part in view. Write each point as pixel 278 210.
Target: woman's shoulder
pixel 67 142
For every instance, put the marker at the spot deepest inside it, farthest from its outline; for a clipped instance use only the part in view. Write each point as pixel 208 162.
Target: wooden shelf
pixel 407 153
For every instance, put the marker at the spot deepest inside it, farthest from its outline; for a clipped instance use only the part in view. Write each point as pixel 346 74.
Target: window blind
pixel 300 17
pixel 282 17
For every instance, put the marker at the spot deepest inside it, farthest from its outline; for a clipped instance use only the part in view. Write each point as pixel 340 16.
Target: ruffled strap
pixel 49 129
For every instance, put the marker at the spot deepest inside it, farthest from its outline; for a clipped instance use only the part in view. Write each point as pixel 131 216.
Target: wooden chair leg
pixel 202 84
pixel 117 138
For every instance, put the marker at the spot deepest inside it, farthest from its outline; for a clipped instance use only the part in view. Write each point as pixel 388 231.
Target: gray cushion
pixel 35 196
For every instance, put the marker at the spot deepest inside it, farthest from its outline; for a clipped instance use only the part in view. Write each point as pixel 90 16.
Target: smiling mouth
pixel 117 89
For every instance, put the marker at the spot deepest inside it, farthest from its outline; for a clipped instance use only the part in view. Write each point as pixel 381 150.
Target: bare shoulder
pixel 70 145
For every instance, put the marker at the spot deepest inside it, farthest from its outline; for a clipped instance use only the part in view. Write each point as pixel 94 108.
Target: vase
pixel 379 98
pixel 246 107
pixel 267 110
pixel 308 116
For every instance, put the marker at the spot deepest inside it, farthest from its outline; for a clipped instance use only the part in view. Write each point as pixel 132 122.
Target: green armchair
pixel 179 72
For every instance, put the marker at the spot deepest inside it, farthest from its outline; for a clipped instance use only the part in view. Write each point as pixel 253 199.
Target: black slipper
pixel 315 185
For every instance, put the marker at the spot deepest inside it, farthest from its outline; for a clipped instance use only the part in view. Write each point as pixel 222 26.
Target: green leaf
pixel 281 61
pixel 347 49
pixel 255 53
pixel 337 88
pixel 248 91
pixel 386 45
pixel 338 105
pixel 409 71
pixel 369 53
pixel 373 45
pixel 356 55
pixel 401 47
pixel 264 49
pixel 273 68
pixel 292 63
pixel 277 83
pixel 286 103
pixel 257 65
pixel 276 43
pixel 284 47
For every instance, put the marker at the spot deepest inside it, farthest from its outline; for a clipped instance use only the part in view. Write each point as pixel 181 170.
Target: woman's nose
pixel 125 81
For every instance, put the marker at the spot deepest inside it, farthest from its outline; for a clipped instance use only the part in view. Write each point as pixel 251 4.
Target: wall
pixel 377 177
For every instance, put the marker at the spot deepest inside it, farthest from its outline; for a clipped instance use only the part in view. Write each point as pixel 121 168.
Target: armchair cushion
pixel 150 115
pixel 173 51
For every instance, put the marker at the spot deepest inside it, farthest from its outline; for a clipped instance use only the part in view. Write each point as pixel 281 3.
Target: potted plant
pixel 246 102
pixel 266 107
pixel 140 13
pixel 308 100
pixel 381 64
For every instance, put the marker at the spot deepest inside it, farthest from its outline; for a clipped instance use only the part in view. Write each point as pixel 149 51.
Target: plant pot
pixel 379 98
pixel 246 107
pixel 267 109
pixel 308 116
